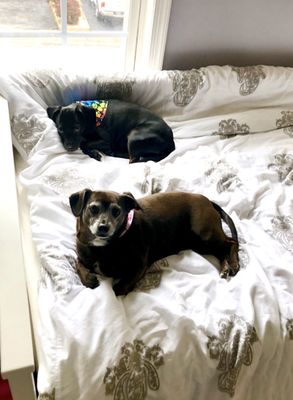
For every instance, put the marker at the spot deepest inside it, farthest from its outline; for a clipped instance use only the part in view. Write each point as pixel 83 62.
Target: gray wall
pixel 235 32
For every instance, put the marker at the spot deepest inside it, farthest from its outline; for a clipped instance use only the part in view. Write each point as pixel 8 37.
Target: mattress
pixel 184 332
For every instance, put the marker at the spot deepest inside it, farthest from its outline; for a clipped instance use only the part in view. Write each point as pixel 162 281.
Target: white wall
pixel 236 32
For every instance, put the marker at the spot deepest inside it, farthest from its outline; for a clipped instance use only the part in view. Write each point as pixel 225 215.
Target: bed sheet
pixel 183 332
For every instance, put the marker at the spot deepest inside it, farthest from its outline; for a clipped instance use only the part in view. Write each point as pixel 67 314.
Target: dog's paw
pixel 133 160
pixel 87 278
pixel 91 281
pixel 95 154
pixel 228 270
pixel 121 289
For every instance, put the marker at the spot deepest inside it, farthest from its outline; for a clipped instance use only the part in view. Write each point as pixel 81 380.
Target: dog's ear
pixel 85 112
pixel 129 202
pixel 78 201
pixel 53 112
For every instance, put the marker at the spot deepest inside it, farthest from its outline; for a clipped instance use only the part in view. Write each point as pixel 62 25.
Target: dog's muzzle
pixel 70 147
pixel 103 230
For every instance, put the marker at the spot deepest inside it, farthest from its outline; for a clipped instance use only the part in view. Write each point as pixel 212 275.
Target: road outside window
pixel 79 31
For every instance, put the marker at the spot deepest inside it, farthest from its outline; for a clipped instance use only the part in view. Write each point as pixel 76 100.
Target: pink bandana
pixel 128 222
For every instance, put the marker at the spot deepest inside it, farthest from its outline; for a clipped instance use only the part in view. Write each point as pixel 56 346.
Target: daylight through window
pixel 97 28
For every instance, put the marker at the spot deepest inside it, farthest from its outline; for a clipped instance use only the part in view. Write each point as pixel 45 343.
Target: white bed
pixel 184 332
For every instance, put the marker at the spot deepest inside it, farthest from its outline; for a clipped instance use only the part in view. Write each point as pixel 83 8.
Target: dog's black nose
pixel 103 229
pixel 71 148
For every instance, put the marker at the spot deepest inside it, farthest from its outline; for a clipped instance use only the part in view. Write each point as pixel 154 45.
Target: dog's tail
pixel 226 218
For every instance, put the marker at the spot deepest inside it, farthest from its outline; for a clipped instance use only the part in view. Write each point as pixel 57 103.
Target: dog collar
pixel 100 107
pixel 128 222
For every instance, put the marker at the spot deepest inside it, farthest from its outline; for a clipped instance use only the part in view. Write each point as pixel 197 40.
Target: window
pixel 105 34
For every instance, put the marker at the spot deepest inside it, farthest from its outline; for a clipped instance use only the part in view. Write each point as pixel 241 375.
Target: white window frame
pixel 147 35
pixel 145 38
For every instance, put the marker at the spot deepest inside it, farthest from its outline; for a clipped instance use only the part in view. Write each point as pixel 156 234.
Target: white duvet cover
pixel 184 333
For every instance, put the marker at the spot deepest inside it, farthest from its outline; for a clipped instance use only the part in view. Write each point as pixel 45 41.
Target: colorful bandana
pixel 100 106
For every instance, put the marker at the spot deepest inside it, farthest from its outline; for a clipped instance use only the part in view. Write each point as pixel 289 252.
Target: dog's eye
pixel 115 211
pixel 94 209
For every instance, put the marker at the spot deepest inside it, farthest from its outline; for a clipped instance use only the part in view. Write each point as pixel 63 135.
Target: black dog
pixel 113 127
pixel 120 237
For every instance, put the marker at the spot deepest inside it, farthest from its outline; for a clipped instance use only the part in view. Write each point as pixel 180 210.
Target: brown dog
pixel 120 237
